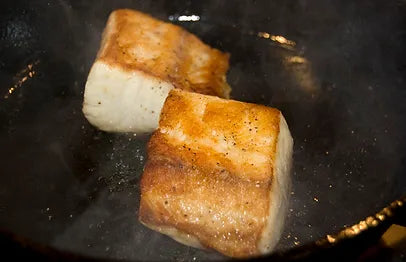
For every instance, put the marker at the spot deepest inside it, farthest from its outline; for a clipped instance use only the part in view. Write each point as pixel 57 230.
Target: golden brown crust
pixel 221 210
pixel 239 137
pixel 136 41
pixel 204 186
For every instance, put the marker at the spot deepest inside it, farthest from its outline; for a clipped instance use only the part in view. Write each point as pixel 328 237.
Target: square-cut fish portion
pixel 139 61
pixel 217 174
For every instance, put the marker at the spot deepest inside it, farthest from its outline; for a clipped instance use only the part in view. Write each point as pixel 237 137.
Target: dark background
pixel 66 184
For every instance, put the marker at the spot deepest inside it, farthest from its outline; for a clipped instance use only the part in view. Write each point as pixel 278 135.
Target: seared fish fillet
pixel 217 174
pixel 139 61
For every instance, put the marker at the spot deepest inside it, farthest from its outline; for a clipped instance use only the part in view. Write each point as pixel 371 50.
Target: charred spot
pixel 166 202
pixel 99 103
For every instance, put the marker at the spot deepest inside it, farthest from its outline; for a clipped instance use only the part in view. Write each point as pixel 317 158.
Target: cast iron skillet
pixel 69 191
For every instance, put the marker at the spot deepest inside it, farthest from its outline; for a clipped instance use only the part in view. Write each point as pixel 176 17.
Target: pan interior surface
pixel 335 69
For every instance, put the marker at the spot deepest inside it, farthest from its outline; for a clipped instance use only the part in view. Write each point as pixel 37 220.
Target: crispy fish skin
pixel 217 174
pixel 140 59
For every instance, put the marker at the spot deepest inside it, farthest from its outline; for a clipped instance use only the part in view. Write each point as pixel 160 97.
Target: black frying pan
pixel 68 190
